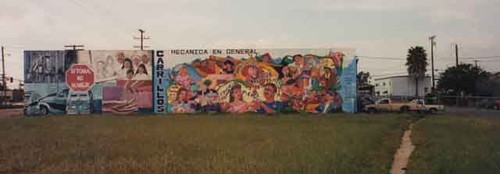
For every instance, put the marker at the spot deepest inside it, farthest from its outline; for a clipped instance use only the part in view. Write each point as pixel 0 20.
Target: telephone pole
pixel 432 61
pixel 75 47
pixel 456 54
pixel 3 77
pixel 142 38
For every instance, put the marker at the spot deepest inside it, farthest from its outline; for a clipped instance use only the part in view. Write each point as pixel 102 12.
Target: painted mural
pixel 191 81
pixel 123 82
pixel 125 78
pixel 250 80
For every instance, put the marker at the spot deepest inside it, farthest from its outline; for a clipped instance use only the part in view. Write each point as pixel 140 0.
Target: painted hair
pixel 129 61
pixel 141 66
pixel 130 71
pixel 296 55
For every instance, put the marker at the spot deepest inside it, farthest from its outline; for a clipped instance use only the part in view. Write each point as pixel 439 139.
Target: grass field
pixel 447 144
pixel 201 144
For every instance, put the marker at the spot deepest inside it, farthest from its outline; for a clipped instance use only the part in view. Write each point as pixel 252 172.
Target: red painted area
pixel 80 78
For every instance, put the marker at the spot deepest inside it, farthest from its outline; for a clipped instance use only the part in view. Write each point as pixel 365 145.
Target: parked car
pixel 496 105
pixel 417 105
pixel 53 103
pixel 64 101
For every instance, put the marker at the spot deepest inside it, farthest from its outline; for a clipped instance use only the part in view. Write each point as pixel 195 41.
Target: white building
pixel 401 86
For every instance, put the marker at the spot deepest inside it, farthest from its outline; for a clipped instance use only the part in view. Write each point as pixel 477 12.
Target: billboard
pixel 253 80
pixel 100 81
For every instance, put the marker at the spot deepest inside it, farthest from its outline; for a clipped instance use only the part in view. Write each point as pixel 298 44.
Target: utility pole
pixel 80 47
pixel 432 61
pixel 475 62
pixel 142 38
pixel 3 77
pixel 456 54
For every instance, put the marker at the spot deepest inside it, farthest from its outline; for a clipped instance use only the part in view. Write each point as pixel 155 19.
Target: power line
pixel 383 58
pixel 486 57
pixel 483 60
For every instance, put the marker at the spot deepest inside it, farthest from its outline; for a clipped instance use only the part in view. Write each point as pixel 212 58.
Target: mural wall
pixel 123 82
pixel 190 81
pixel 252 80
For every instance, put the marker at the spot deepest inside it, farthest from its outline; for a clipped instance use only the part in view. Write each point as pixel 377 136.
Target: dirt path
pixel 403 154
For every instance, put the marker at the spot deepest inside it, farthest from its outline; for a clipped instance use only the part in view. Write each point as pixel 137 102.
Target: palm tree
pixel 416 64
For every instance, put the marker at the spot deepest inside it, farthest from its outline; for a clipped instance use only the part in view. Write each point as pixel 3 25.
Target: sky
pixel 375 28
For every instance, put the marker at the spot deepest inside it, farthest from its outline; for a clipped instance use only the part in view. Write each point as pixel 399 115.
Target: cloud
pixel 435 10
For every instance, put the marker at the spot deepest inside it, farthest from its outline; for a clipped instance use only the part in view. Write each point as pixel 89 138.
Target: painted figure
pixel 182 103
pixel 141 73
pixel 236 103
pixel 183 78
pixel 269 105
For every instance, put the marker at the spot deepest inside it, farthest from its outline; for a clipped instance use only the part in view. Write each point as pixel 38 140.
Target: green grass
pixel 447 144
pixel 200 144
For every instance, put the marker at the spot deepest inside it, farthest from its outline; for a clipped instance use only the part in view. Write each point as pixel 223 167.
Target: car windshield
pixel 385 101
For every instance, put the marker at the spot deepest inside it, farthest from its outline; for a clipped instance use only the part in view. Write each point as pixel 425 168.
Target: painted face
pixel 142 70
pixel 136 60
pixel 269 92
pixel 323 83
pixel 237 94
pixel 182 71
pixel 109 60
pixel 183 96
pixel 253 72
pixel 120 57
pixel 127 65
pixel 145 59
pixel 285 70
pixel 266 58
pixel 130 75
pixel 299 60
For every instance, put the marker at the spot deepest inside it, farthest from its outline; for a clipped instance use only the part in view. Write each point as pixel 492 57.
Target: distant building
pixel 12 95
pixel 401 86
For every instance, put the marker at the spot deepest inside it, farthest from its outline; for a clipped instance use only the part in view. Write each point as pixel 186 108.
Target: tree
pixel 363 78
pixel 416 64
pixel 464 78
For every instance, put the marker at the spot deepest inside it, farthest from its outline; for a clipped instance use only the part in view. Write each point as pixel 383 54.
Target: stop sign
pixel 80 78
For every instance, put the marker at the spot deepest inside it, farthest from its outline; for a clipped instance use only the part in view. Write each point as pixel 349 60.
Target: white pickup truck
pixel 417 105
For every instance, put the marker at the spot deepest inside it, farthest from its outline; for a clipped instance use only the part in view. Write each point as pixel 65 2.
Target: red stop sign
pixel 80 78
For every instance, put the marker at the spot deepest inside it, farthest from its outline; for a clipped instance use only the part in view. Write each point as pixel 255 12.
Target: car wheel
pixel 433 111
pixel 404 109
pixel 372 110
pixel 44 110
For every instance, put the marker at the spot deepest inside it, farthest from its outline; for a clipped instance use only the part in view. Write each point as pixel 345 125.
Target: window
pixel 384 102
pixel 384 84
pixel 426 89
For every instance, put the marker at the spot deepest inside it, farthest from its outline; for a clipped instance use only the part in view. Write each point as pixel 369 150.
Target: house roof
pixel 399 76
